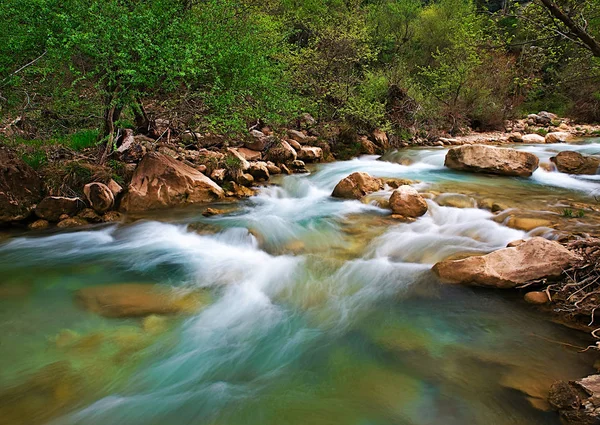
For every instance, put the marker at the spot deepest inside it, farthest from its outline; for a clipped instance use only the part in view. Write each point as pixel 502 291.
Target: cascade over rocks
pixel 356 185
pixel 20 187
pixel 161 182
pixel 534 259
pixel 575 163
pixel 99 196
pixel 407 202
pixel 487 159
pixel 51 208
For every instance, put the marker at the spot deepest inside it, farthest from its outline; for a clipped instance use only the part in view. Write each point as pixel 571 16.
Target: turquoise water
pixel 321 311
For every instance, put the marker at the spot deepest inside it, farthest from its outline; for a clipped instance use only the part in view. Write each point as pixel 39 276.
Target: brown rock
pixel 246 179
pixel 99 196
pixel 218 175
pixel 115 188
pixel 135 300
pixel 39 225
pixel 533 139
pixel 310 154
pixel 72 222
pixel 407 202
pixel 259 170
pixel 515 138
pixel 487 159
pixel 273 169
pixel 209 212
pixel 295 144
pixel 536 297
pixel 249 154
pixel 537 258
pixel 296 135
pixel 51 208
pixel 162 182
pixel 557 137
pixel 527 223
pixel 381 139
pixel 90 215
pixel 366 146
pixel 281 152
pixel 356 185
pixel 455 200
pixel 131 148
pixel 575 163
pixel 238 157
pixel 20 187
pixel 112 216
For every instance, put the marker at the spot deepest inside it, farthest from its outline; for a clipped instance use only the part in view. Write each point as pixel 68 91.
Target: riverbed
pixel 317 311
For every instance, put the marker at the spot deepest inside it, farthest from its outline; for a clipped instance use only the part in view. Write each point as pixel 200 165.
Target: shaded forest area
pixel 77 71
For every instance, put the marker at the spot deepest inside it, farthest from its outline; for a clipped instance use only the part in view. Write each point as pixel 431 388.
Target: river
pixel 317 311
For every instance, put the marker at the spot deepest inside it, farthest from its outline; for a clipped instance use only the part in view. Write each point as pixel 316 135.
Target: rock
pixel 39 225
pixel 381 139
pixel 536 297
pixel 366 146
pixel 261 143
pixel 162 182
pixel 564 396
pixel 285 169
pixel 307 120
pixel 536 259
pixel 295 144
pixel 238 158
pixel 310 154
pixel 527 223
pixel 575 163
pixel 112 216
pixel 296 135
pixel 272 168
pixel 135 300
pixel 99 196
pixel 455 200
pixel 298 166
pixel 547 115
pixel 52 207
pixel 259 170
pixel 131 149
pixel 356 185
pixel 557 137
pixel 249 154
pixel 88 214
pixel 257 134
pixel 533 139
pixel 246 179
pixel 218 175
pixel 209 212
pixel 487 159
pixel 72 222
pixel 20 187
pixel 407 202
pixel 577 401
pixel 515 138
pixel 281 152
pixel 190 136
pixel 115 188
pixel 154 324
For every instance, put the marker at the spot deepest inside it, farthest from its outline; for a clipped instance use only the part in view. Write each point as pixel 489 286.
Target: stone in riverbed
pixel 557 137
pixel 51 208
pixel 506 268
pixel 533 139
pixel 536 297
pixel 570 162
pixel 68 223
pixel 356 185
pixel 487 159
pixel 39 225
pixel 455 200
pixel 135 300
pixel 310 154
pixel 406 202
pixel 162 182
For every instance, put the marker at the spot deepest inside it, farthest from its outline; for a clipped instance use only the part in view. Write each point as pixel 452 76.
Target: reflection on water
pixel 323 311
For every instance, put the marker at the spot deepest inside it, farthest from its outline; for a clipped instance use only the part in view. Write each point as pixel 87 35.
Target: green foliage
pixel 35 159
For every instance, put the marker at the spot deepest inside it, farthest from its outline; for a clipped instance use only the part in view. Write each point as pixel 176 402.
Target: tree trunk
pixel 579 32
pixel 141 118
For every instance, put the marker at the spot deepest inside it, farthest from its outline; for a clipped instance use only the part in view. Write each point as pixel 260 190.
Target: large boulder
pixel 310 154
pixel 281 152
pixel 575 163
pixel 534 259
pixel 162 182
pixel 487 159
pixel 407 202
pixel 99 196
pixel 134 300
pixel 51 208
pixel 557 137
pixel 20 187
pixel 356 185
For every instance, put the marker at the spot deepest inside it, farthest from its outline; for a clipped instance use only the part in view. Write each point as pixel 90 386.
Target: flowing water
pixel 317 311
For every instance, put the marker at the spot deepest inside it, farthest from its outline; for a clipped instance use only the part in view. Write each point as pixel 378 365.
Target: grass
pixel 35 159
pixel 567 212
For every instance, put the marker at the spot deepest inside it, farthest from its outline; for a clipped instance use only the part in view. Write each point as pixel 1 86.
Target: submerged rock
pixel 575 163
pixel 135 300
pixel 487 159
pixel 537 258
pixel 356 185
pixel 455 200
pixel 407 202
pixel 162 182
pixel 20 187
